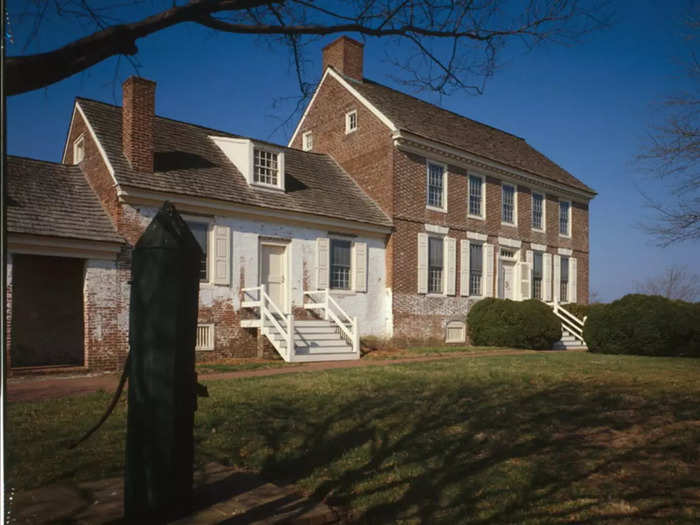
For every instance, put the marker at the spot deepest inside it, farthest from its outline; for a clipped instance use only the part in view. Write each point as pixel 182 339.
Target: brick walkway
pixel 48 387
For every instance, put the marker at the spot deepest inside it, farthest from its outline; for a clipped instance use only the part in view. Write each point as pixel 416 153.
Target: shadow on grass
pixel 485 454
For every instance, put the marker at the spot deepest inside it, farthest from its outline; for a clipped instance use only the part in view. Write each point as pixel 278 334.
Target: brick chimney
pixel 138 110
pixel 345 55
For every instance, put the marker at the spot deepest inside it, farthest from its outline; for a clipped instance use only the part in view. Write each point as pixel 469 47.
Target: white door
pixel 273 273
pixel 505 281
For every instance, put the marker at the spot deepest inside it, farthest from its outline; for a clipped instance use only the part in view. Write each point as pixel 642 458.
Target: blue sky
pixel 587 106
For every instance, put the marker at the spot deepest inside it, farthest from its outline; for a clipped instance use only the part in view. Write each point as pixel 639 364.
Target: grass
pixel 537 438
pixel 239 365
pixel 428 351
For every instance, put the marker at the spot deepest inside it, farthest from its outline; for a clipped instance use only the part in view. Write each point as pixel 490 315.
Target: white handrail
pixel 571 316
pixel 566 321
pixel 268 309
pixel 352 333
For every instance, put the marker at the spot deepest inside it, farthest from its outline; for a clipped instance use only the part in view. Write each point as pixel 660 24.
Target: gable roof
pixel 416 116
pixel 188 162
pixel 46 198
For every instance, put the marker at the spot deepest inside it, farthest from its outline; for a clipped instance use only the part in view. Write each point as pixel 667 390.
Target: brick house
pixel 383 216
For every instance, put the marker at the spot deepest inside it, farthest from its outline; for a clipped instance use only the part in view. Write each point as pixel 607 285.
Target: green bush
pixel 644 325
pixel 517 324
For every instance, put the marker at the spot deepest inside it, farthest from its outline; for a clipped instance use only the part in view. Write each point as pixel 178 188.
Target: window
pixel 508 199
pixel 265 168
pixel 435 265
pixel 537 275
pixel 205 337
pixel 350 121
pixel 537 211
pixel 200 230
pixel 436 186
pixel 563 294
pixel 564 222
pixel 307 141
pixel 476 195
pixel 340 264
pixel 456 332
pixel 78 150
pixel 507 253
pixel 476 262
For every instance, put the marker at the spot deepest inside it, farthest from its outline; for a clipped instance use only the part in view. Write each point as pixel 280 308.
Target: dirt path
pixel 46 387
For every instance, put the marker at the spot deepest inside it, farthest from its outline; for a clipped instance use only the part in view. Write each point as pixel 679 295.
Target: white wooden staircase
pixel 334 337
pixel 571 330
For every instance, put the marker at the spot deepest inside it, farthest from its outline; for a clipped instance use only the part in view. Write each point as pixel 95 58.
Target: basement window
pixel 205 337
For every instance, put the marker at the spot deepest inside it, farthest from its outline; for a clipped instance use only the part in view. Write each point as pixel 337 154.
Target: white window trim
pixel 544 211
pixel 349 130
pixel 463 327
pixel 483 269
pixel 210 339
pixel 515 204
pixel 569 222
pixel 80 141
pixel 444 265
pixel 341 291
pixel 280 168
pixel 307 141
pixel 209 221
pixel 483 197
pixel 442 209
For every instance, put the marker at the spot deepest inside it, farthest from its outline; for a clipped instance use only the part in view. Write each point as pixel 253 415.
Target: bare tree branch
pixel 677 282
pixel 471 27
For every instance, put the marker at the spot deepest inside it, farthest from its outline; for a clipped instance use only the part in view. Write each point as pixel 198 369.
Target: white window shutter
pixel 451 258
pixel 572 280
pixel 557 278
pixel 464 267
pixel 488 284
pixel 547 277
pixel 360 262
pixel 222 255
pixel 322 262
pixel 526 277
pixel 422 263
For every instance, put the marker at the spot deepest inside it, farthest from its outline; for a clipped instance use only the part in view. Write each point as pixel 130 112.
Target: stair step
pixel 308 350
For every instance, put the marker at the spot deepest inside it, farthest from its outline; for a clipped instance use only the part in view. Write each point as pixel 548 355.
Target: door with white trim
pixel 506 285
pixel 273 273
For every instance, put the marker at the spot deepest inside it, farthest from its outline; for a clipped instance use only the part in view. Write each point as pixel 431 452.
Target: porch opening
pixel 47 311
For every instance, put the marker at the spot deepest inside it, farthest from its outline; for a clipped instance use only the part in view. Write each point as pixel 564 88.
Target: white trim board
pixel 475 236
pixel 565 251
pixel 62 247
pixel 434 228
pixel 511 243
pixel 330 71
pixel 185 203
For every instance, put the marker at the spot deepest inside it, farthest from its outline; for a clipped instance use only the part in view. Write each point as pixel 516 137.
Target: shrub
pixel 502 322
pixel 644 325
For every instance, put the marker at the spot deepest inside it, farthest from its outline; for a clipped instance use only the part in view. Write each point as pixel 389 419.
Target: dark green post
pixel 162 399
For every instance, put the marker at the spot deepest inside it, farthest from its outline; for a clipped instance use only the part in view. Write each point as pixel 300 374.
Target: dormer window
pixel 265 168
pixel 78 150
pixel 307 141
pixel 350 121
pixel 261 164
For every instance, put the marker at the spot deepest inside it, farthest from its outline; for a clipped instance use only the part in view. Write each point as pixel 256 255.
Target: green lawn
pixel 538 438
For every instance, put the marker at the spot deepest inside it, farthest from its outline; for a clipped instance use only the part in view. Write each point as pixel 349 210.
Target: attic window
pixel 265 168
pixel 351 121
pixel 307 140
pixel 78 150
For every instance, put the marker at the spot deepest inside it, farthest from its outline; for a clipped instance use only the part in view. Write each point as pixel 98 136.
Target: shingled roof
pixel 188 162
pixel 46 198
pixel 431 122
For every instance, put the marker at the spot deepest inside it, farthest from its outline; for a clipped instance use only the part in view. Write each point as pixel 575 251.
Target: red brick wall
pixel 139 102
pixel 345 55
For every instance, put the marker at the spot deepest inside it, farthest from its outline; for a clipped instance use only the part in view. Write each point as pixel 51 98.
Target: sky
pixel 587 106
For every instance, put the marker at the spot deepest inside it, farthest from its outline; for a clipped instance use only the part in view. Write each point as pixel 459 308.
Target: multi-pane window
pixel 435 265
pixel 307 141
pixel 350 121
pixel 265 167
pixel 537 275
pixel 78 150
pixel 508 199
pixel 537 211
pixel 340 264
pixel 200 231
pixel 564 211
pixel 476 263
pixel 564 291
pixel 436 180
pixel 475 195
